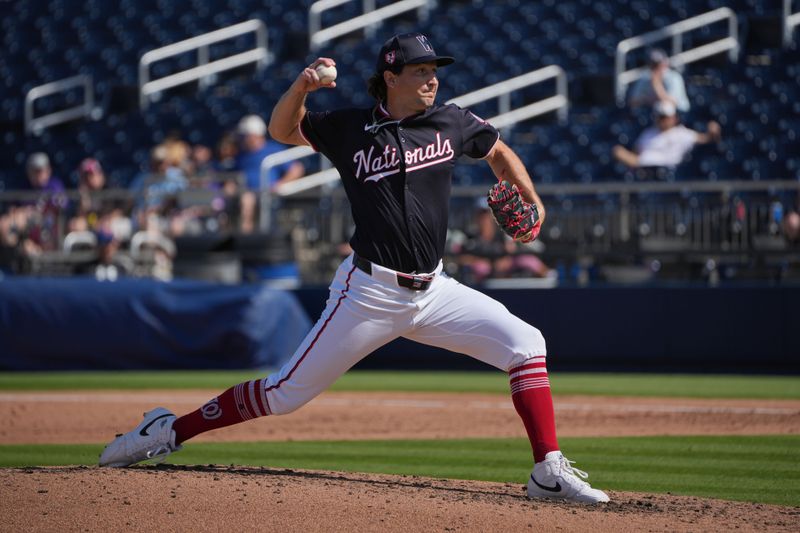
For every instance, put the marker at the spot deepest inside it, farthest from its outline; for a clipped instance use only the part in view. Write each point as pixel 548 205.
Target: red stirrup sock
pixel 530 391
pixel 239 403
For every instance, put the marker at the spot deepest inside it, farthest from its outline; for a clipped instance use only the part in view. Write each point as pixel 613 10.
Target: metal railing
pixel 295 153
pixel 790 21
pixel 605 223
pixel 317 36
pixel 204 70
pixel 678 56
pixel 502 91
pixel 319 7
pixel 36 125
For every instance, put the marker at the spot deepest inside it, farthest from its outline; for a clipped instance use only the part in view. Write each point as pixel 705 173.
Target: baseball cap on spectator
pixel 159 153
pixel 664 109
pixel 408 49
pixel 657 56
pixel 252 125
pixel 38 160
pixel 89 166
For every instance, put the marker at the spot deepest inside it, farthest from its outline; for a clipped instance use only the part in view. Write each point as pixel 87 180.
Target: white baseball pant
pixel 365 311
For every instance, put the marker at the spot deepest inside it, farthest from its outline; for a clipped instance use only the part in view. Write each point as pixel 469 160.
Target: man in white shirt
pixel 659 84
pixel 666 143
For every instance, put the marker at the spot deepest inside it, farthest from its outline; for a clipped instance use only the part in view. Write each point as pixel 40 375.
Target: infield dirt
pixel 176 498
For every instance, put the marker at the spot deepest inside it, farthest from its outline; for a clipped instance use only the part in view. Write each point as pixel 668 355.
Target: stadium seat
pixel 45 40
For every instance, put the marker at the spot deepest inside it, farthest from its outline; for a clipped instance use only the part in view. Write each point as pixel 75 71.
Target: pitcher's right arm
pixel 284 124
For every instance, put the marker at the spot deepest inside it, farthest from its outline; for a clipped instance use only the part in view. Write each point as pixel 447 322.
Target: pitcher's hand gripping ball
pixel 517 218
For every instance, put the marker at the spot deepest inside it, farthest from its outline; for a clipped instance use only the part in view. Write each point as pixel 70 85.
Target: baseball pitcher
pixel 396 163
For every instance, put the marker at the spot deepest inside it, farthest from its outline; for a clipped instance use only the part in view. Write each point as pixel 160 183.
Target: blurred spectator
pixel 40 175
pixel 110 264
pixel 13 226
pixel 178 153
pixel 229 186
pixel 95 208
pixel 659 84
pixel 667 142
pixel 488 252
pixel 227 153
pixel 33 224
pixel 91 180
pixel 157 190
pixel 201 162
pixel 255 147
pixel 791 227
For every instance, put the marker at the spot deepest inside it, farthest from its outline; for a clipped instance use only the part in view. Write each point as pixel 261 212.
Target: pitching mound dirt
pixel 176 498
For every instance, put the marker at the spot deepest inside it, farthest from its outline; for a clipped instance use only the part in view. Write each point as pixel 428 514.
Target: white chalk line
pixel 403 404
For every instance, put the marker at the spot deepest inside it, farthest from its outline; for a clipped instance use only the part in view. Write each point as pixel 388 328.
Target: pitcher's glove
pixel 517 218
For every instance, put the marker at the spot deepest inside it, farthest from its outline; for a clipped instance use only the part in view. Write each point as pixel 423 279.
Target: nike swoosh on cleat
pixel 557 488
pixel 144 433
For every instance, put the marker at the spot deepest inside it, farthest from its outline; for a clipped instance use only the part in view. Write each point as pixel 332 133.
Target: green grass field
pixel 762 469
pixel 721 467
pixel 672 385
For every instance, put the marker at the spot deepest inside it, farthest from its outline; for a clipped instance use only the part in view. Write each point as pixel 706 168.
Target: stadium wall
pixel 677 329
pixel 79 323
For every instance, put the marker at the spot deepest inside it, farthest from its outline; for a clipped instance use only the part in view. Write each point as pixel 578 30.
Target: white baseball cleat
pixel 556 478
pixel 152 439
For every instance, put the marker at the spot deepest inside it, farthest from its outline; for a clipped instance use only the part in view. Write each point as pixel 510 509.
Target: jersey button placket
pixel 398 132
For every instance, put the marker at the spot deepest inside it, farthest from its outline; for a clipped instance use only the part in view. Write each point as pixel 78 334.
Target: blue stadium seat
pixel 756 103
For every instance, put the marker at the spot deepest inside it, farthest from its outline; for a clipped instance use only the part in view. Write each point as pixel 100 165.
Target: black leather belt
pixel 414 282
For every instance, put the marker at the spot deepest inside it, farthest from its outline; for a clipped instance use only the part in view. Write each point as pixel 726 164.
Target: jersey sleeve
pixel 478 136
pixel 319 130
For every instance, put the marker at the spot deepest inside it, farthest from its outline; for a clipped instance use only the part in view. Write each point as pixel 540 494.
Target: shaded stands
pixel 756 100
pixel 650 233
pixel 50 39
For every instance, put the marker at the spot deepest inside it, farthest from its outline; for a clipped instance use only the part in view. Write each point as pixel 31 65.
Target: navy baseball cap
pixel 409 49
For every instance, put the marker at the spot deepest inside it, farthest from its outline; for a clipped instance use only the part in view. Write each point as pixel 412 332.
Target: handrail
pixel 317 8
pixel 318 36
pixel 267 164
pixel 259 55
pixel 679 57
pixel 790 20
pixel 503 89
pixel 36 125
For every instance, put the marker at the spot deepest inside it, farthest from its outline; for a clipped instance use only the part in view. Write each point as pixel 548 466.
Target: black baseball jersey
pixel 397 175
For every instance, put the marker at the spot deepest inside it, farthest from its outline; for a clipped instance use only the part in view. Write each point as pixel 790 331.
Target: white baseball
pixel 326 74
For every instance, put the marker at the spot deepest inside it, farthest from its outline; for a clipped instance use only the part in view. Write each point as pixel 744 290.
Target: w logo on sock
pixel 211 410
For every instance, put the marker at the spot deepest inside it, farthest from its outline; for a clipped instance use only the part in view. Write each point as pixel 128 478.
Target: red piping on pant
pixel 316 337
